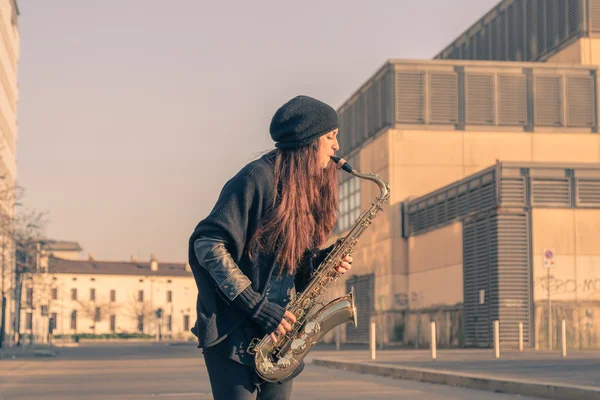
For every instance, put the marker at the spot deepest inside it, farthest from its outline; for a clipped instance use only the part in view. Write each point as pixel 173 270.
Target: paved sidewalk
pixel 544 374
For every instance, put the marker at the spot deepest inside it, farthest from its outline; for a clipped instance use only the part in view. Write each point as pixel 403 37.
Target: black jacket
pixel 231 287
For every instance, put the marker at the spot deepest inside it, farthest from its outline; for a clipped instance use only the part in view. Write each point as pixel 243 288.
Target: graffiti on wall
pixel 566 286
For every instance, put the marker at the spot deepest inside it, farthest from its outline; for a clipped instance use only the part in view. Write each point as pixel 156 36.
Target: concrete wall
pixel 574 284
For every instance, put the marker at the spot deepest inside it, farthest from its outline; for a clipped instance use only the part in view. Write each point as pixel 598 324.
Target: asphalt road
pixel 148 371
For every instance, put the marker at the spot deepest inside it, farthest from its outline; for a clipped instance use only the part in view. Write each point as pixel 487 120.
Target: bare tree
pixel 21 230
pixel 96 310
pixel 140 311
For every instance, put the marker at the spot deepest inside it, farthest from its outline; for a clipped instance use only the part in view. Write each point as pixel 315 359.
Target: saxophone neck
pixel 384 188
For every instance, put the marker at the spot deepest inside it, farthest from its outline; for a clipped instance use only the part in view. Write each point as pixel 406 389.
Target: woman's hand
pixel 284 326
pixel 346 264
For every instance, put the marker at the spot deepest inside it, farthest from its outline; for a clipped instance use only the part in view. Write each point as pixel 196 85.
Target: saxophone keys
pixel 312 328
pixel 298 346
pixel 283 363
pixel 266 367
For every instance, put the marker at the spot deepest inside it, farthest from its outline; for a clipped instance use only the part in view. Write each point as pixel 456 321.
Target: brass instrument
pixel 276 361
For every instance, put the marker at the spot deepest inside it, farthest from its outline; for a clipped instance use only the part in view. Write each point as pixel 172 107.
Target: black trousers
pixel 230 380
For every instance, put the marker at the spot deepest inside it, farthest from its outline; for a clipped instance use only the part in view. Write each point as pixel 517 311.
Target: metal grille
pixel 548 101
pixel 496 277
pixel 476 282
pixel 410 97
pixel 513 192
pixel 512 99
pixel 587 192
pixel 523 30
pixel 458 200
pixel 443 88
pixel 580 101
pixel 594 6
pixel 555 192
pixel 480 99
pixel 364 286
pixel 513 277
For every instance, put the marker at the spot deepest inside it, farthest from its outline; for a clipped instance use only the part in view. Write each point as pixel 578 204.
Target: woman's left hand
pixel 346 264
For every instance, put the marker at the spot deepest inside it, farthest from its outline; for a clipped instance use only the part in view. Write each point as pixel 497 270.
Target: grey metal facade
pixel 526 30
pixel 494 206
pixel 364 286
pixel 463 95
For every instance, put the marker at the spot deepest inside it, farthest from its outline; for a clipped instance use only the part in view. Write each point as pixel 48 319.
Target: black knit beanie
pixel 300 121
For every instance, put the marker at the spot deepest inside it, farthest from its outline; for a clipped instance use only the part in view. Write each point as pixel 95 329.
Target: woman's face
pixel 328 145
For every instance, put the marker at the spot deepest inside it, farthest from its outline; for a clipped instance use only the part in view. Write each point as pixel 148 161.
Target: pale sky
pixel 133 114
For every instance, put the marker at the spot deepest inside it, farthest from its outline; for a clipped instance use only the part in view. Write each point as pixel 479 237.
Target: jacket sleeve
pixel 235 286
pixel 221 237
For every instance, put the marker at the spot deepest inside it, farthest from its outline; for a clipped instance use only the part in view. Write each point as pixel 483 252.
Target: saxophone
pixel 276 361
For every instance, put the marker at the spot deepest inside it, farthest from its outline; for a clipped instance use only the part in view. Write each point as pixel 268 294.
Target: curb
pixel 481 382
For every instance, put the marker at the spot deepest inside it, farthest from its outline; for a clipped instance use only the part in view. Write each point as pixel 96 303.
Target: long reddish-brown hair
pixel 305 207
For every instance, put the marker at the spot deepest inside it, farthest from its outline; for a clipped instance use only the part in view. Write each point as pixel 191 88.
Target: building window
pixel 349 195
pixel 92 294
pixel 54 321
pixel 169 323
pixel 74 320
pixel 73 294
pixel 97 315
pixel 113 296
pixel 169 296
pixel 54 294
pixel 113 323
pixel 29 321
pixel 186 323
pixel 29 299
pixel 141 323
pixel 141 295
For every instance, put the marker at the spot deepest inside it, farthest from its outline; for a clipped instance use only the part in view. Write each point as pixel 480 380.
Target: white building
pixel 104 297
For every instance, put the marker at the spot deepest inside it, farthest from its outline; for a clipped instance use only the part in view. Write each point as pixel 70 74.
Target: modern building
pixel 74 297
pixel 492 154
pixel 9 94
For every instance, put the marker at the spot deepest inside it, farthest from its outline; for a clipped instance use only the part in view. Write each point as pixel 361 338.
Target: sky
pixel 133 114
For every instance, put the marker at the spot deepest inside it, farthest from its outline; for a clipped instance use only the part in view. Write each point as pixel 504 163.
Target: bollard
pixel 497 338
pixel 520 336
pixel 373 340
pixel 433 341
pixel 337 337
pixel 564 338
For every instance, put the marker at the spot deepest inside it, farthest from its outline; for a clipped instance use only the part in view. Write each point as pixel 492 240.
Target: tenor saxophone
pixel 276 361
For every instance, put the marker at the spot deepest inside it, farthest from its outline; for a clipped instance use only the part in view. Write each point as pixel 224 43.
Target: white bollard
pixel 497 338
pixel 337 337
pixel 433 341
pixel 373 340
pixel 520 336
pixel 564 338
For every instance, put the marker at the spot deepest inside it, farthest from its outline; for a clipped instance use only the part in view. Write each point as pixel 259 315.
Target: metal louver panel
pixel 530 31
pixel 410 97
pixel 551 192
pixel 512 99
pixel 513 277
pixel 595 16
pixel 480 99
pixel 513 192
pixel 364 287
pixel 443 95
pixel 497 278
pixel 573 18
pixel 588 192
pixel 548 101
pixel 360 114
pixel 580 101
pixel 476 282
pixel 374 108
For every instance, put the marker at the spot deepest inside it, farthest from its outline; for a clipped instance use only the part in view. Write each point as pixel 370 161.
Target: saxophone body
pixel 274 362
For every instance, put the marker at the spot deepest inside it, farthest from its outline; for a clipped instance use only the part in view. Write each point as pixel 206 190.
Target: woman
pixel 260 244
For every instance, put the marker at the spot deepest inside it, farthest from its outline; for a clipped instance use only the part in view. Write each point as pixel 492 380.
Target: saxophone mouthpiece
pixel 340 163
